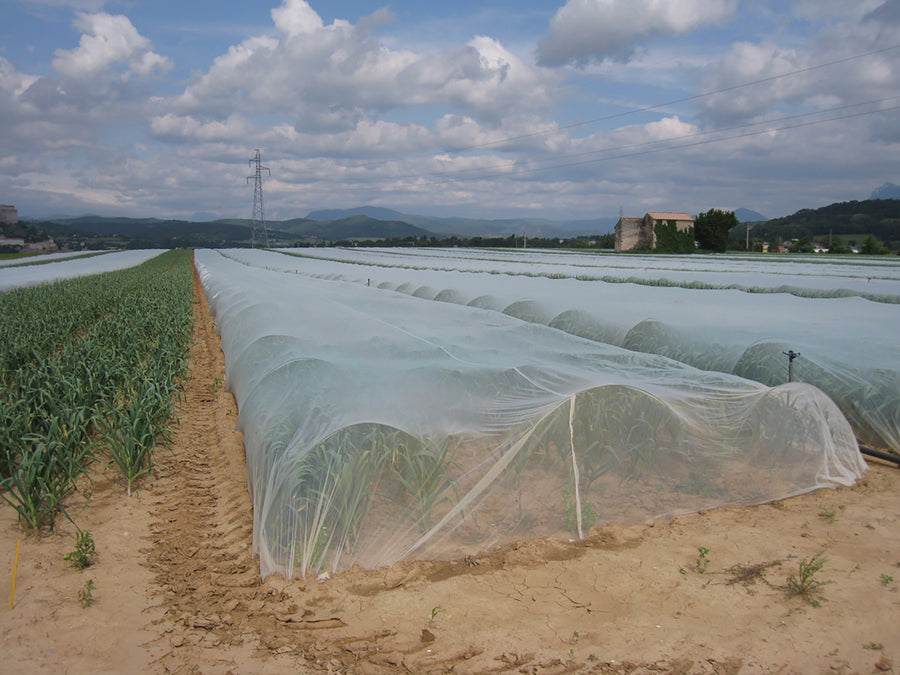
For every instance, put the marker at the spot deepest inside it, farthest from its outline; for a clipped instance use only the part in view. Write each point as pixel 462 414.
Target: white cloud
pixel 186 128
pixel 108 40
pixel 98 87
pixel 888 13
pixel 296 17
pixel 666 129
pixel 586 30
pixel 353 113
pixel 323 76
pixel 843 66
pixel 12 82
pixel 747 62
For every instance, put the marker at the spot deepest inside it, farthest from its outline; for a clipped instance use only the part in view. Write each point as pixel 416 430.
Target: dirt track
pixel 205 576
pixel 178 589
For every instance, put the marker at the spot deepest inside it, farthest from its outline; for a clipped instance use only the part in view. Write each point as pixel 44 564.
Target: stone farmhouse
pixel 8 215
pixel 11 234
pixel 633 233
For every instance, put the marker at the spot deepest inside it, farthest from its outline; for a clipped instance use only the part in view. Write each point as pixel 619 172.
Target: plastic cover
pixel 823 311
pixel 380 426
pixel 41 272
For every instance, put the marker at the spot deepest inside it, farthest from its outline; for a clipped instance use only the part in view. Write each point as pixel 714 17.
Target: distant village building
pixel 634 233
pixel 8 215
pixel 16 237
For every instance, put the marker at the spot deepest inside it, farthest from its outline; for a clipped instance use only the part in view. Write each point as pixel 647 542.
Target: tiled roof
pixel 668 215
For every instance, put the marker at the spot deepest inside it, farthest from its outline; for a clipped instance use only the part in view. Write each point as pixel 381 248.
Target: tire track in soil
pixel 214 613
pixel 217 616
pixel 206 581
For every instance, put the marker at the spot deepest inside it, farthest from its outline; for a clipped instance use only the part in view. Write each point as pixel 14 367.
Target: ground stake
pixel 12 594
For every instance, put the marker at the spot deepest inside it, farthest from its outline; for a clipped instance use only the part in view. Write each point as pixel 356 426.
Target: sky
pixel 486 109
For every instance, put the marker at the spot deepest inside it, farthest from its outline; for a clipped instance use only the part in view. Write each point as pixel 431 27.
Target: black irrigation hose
pixel 879 454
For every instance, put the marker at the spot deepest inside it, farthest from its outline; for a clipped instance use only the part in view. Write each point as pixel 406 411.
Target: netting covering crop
pixel 841 316
pixel 381 426
pixel 46 269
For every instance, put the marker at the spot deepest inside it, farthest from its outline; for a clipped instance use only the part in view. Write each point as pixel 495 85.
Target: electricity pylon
pixel 258 220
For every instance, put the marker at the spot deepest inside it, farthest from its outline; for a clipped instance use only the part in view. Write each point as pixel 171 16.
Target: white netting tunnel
pixel 380 426
pixel 846 340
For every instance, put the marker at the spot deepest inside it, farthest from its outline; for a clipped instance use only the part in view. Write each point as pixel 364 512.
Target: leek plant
pixel 425 473
pixel 40 480
pixel 85 359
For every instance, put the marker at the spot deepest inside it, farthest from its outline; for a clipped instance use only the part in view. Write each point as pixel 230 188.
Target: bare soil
pixel 176 588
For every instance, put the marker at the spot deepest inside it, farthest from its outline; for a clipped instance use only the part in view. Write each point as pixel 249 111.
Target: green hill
pixel 351 227
pixel 855 219
pixel 100 232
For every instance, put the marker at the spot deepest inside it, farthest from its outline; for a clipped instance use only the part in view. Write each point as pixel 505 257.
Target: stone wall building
pixel 634 233
pixel 8 215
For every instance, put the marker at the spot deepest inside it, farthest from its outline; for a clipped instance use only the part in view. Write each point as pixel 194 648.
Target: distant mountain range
pixel 154 232
pixel 886 191
pixel 365 222
pixel 476 227
pixel 748 216
pixel 879 216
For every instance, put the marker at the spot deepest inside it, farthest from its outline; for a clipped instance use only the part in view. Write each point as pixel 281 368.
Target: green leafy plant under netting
pixel 381 426
pixel 868 398
pixel 607 441
pixel 333 486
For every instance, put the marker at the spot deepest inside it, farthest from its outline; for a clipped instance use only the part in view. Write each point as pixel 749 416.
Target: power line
pixel 685 99
pixel 698 134
pixel 656 106
pixel 650 147
pixel 448 175
pixel 704 142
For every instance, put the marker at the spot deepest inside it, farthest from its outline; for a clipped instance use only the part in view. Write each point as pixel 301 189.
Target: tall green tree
pixel 669 239
pixel 711 229
pixel 803 245
pixel 871 246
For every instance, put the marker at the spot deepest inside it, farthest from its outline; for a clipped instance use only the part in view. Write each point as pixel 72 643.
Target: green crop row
pixel 86 364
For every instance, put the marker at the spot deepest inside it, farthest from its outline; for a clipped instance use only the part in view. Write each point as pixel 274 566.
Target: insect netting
pixel 380 426
pixel 846 340
pixel 46 269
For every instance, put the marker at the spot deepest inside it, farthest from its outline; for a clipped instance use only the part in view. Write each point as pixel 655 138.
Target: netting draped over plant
pixel 46 269
pixel 381 426
pixel 848 345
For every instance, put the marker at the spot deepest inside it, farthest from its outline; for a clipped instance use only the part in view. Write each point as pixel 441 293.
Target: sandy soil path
pixel 177 589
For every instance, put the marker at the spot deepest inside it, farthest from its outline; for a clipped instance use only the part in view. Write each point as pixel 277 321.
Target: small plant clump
pixel 804 582
pixel 589 515
pixel 702 559
pixel 83 555
pixel 827 514
pixel 86 594
pixel 886 580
